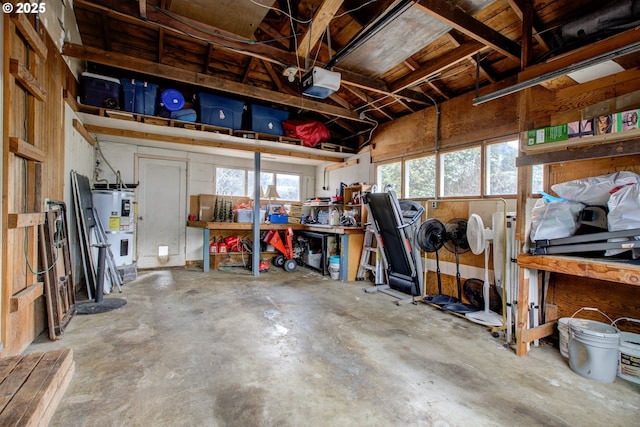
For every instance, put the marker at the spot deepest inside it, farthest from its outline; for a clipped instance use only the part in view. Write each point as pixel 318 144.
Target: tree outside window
pixel 502 174
pixel 390 173
pixel 420 177
pixel 460 174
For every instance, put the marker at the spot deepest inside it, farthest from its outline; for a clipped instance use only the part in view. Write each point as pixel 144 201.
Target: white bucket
pixel 629 354
pixel 593 349
pixel 563 330
pixel 334 267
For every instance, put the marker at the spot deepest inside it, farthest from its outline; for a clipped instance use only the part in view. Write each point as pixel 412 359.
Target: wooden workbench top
pixel 610 269
pixel 263 226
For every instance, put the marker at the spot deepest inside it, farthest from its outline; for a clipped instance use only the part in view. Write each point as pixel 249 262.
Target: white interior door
pixel 162 198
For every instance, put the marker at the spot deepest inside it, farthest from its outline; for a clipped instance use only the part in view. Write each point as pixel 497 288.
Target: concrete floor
pixel 298 349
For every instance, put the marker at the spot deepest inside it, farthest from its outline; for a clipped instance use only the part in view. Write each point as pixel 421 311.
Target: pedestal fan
pixel 456 242
pixel 431 237
pixel 479 239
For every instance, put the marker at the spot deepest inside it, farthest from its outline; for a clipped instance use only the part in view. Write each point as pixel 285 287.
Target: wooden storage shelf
pixel 611 270
pixel 350 194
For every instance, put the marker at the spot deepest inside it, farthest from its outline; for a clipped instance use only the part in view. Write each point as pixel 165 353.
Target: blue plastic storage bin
pixel 220 111
pixel 172 99
pixel 99 91
pixel 278 218
pixel 186 115
pixel 139 96
pixel 267 120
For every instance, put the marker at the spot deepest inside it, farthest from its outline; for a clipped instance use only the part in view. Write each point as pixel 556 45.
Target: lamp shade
pixel 272 193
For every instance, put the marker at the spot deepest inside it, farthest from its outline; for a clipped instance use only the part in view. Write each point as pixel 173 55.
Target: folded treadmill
pixel 396 224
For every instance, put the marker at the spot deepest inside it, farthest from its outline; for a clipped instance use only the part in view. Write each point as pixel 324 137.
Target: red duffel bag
pixel 311 132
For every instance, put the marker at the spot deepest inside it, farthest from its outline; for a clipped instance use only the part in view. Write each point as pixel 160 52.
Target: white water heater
pixel 115 210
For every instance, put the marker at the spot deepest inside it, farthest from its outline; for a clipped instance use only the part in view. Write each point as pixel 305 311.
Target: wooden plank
pixel 207 143
pixel 14 379
pixel 27 80
pixel 70 100
pixel 25 150
pixel 26 297
pixel 31 400
pixel 466 24
pixel 591 152
pixel 600 269
pixel 25 220
pixel 57 397
pixel 77 125
pixel 30 35
pixel 351 162
pixel 538 332
pixel 321 20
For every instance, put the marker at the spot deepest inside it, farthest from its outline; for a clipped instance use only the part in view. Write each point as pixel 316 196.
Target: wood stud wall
pixel 33 166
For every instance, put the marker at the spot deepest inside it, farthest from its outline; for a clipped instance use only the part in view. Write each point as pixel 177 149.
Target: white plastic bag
pixel 554 219
pixel 594 190
pixel 624 214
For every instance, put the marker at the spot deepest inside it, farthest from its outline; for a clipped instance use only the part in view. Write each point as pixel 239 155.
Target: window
pixel 239 182
pixel 230 182
pixel 266 178
pixel 288 186
pixel 420 177
pixel 536 179
pixel 501 173
pixel 390 173
pixel 460 174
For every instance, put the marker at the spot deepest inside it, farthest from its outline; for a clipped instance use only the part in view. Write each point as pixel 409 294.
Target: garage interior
pixel 251 214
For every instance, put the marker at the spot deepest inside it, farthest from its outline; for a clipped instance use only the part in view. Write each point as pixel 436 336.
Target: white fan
pixel 479 240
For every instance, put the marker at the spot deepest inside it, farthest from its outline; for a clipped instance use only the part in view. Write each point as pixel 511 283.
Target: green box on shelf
pixel 548 134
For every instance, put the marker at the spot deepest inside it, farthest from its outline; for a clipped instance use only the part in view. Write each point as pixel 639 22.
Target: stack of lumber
pixel 32 385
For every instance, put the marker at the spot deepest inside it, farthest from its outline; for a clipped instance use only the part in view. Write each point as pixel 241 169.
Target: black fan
pixel 456 242
pixel 473 290
pixel 431 237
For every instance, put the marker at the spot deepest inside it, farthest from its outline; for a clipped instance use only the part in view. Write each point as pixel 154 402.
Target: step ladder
pixel 370 251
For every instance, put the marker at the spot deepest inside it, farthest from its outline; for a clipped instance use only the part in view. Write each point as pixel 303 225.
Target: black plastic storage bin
pixel 139 96
pixel 99 91
pixel 267 120
pixel 220 111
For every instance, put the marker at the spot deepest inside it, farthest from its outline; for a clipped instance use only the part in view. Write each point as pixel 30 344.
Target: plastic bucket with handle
pixel 593 349
pixel 629 353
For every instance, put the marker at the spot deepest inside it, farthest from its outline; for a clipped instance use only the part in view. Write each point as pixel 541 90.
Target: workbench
pixel 351 239
pixel 613 270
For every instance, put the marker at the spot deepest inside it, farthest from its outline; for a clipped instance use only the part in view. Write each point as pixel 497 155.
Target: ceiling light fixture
pixel 290 73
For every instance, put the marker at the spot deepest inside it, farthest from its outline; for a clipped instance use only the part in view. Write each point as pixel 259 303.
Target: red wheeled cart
pixel 287 258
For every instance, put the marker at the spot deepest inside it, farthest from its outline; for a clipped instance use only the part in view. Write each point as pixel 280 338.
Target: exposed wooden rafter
pixel 466 24
pixel 318 26
pixel 518 7
pixel 223 40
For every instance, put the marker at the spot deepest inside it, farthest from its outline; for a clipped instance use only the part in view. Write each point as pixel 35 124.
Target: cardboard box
pixel 206 203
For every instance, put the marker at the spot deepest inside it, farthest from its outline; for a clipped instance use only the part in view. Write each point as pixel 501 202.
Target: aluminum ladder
pixel 370 251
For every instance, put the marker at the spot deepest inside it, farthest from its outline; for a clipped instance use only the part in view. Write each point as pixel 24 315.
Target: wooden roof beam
pixel 456 40
pixel 518 7
pixel 181 25
pixel 319 24
pixel 462 53
pixel 466 24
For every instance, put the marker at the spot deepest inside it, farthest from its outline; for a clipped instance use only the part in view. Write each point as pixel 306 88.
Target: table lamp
pixel 271 193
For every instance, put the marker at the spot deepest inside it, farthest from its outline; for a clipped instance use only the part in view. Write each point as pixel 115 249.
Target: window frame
pixel 484 164
pixel 248 170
